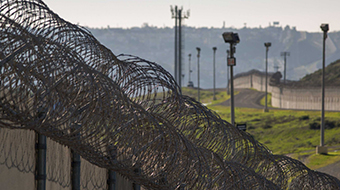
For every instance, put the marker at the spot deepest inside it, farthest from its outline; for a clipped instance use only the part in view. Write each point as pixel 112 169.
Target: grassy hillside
pixel 332 76
pixel 282 131
pixel 288 132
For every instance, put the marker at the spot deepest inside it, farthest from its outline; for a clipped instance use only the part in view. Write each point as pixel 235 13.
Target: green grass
pixel 283 131
pixel 206 96
pixel 287 131
pixel 316 161
pixel 269 100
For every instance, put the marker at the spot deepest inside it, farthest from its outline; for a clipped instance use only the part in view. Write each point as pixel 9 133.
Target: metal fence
pixel 19 162
pixel 123 113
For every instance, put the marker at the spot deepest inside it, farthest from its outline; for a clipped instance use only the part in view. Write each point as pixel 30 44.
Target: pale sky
pixel 305 15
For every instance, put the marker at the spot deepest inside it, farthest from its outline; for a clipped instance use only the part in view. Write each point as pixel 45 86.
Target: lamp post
pixel 214 49
pixel 322 149
pixel 190 83
pixel 267 45
pixel 198 73
pixel 232 39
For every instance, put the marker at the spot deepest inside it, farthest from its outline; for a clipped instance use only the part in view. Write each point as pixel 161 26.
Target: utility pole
pixel 198 73
pixel 175 16
pixel 284 54
pixel 214 49
pixel 178 15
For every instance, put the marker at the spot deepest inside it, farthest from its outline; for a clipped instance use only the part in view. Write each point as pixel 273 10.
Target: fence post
pixel 75 165
pixel 40 176
pixel 75 171
pixel 111 180
pixel 137 170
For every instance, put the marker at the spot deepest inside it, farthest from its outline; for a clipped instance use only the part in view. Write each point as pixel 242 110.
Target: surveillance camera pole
pixel 232 39
pixel 214 49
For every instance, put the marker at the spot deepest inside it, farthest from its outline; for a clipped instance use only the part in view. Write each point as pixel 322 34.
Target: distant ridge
pixel 332 76
pixel 157 45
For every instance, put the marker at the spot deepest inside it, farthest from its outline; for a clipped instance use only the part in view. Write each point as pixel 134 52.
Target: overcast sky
pixel 305 15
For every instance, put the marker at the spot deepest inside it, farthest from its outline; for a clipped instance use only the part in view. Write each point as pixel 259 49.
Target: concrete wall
pixel 305 98
pixel 18 161
pixel 58 165
pixel 288 97
pixel 252 79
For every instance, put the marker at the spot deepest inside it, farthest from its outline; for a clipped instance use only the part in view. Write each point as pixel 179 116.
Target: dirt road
pixel 246 98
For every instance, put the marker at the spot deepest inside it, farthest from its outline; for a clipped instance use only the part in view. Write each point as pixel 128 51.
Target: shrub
pixel 266 126
pixel 250 127
pixel 330 124
pixel 304 117
pixel 314 125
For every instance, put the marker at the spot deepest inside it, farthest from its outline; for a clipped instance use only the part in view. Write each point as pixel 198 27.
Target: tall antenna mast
pixel 178 15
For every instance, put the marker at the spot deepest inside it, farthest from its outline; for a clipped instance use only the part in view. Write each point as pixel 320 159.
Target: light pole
pixel 228 52
pixel 232 39
pixel 322 149
pixel 267 45
pixel 284 54
pixel 198 73
pixel 214 49
pixel 190 83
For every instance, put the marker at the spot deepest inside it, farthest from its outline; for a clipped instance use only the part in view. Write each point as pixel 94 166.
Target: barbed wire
pixel 125 113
